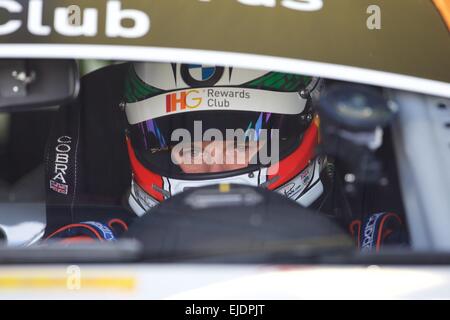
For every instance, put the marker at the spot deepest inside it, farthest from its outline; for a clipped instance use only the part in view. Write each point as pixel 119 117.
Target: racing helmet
pixel 176 111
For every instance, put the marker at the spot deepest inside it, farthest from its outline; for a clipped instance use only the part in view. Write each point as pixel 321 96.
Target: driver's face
pixel 216 156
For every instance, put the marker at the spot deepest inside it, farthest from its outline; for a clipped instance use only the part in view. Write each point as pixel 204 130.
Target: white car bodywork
pixel 223 282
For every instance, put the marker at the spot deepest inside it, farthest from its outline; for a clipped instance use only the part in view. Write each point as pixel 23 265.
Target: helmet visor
pixel 206 143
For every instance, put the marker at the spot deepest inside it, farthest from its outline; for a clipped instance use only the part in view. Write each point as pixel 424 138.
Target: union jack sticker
pixel 59 187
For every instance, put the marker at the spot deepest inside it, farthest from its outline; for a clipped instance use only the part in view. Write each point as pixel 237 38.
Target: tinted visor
pixel 154 140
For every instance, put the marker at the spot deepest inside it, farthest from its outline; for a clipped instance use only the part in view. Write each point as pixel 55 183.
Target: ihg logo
pixel 182 100
pixel 68 22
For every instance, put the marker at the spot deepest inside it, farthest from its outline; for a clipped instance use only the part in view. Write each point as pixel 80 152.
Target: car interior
pixel 24 137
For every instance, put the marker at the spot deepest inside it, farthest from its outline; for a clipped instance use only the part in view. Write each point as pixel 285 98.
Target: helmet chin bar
pixel 305 188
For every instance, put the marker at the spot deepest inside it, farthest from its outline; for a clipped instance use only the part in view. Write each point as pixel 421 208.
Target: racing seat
pixel 86 164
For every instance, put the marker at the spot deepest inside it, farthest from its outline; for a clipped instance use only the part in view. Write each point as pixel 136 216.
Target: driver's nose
pixel 217 158
pixel 213 153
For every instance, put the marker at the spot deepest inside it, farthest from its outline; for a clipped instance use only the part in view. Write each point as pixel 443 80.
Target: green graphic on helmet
pixel 137 90
pixel 279 82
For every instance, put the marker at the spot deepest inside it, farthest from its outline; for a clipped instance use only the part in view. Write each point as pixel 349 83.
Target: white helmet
pixel 162 98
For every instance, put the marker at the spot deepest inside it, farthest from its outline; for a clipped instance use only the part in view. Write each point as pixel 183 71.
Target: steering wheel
pixel 231 220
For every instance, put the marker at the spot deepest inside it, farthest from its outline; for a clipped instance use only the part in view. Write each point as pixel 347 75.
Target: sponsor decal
pixel 201 76
pixel 193 99
pixel 145 200
pixel 368 240
pixel 106 232
pixel 299 183
pixel 58 187
pixel 45 18
pixel 220 97
pixel 58 182
pixel 217 98
pixel 181 100
pixel 63 16
pixel 88 22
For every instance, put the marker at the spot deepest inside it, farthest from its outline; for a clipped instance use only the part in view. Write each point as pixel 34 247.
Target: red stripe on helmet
pixel 298 160
pixel 143 176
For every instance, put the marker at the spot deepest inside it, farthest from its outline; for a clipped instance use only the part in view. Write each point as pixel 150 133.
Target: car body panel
pixel 223 282
pixel 410 50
